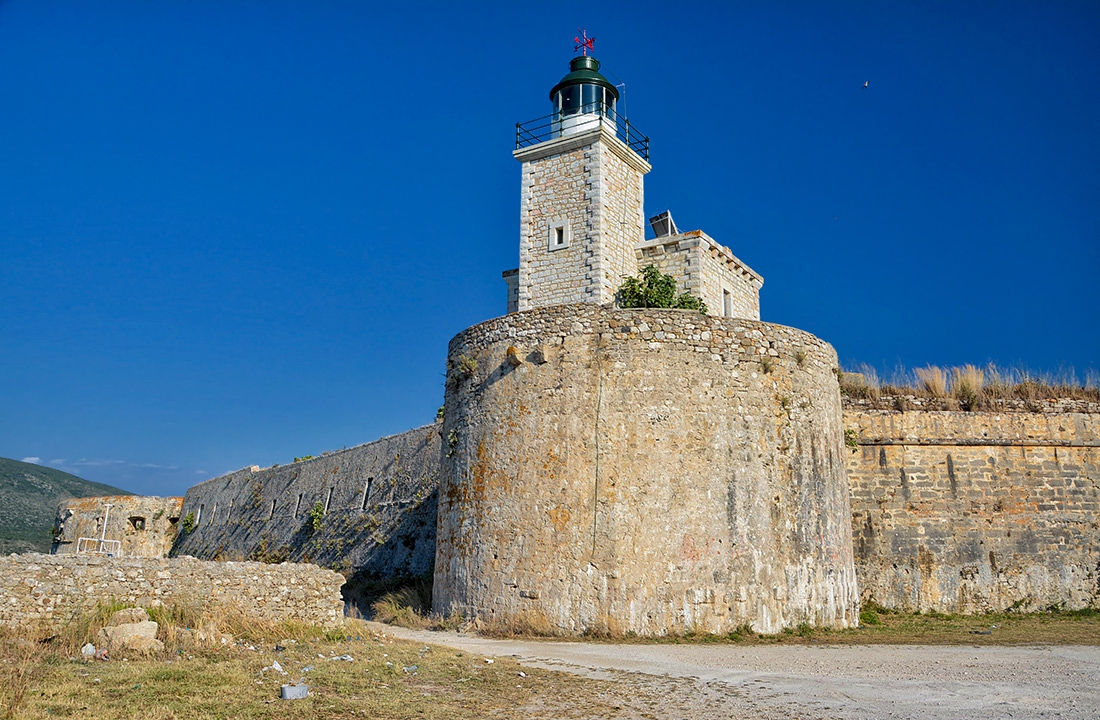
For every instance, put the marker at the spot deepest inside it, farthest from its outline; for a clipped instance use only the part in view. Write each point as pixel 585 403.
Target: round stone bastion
pixel 643 471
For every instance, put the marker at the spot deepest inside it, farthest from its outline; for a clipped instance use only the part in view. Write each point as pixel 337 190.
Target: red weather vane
pixel 583 43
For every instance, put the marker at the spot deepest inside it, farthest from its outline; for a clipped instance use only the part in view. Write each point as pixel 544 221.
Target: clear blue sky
pixel 237 232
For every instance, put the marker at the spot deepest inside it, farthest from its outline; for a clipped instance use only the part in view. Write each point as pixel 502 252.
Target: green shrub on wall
pixel 656 290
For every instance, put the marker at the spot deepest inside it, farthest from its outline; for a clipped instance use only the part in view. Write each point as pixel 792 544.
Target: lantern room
pixel 582 97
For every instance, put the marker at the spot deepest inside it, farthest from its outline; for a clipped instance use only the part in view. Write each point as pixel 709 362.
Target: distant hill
pixel 29 495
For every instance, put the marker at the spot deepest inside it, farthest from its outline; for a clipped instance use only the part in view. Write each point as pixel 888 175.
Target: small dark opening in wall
pixel 366 492
pixel 138 522
pixel 298 506
pixel 328 500
pixel 272 510
pixel 174 520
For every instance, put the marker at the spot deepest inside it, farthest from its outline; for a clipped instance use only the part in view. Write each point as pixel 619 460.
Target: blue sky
pixel 233 233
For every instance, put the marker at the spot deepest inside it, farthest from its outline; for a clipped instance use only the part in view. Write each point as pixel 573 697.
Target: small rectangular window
pixel 727 303
pixel 272 510
pixel 558 235
pixel 328 500
pixel 298 506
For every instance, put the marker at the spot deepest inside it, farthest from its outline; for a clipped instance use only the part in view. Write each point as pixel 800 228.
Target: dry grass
pixel 933 380
pixel 966 386
pixel 385 678
pixel 970 387
pixel 408 606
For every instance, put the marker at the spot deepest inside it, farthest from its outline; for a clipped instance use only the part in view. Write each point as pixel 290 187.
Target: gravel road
pixel 813 681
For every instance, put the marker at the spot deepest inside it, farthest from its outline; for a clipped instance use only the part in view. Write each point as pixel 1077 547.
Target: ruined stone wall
pixel 976 511
pixel 646 471
pixel 144 526
pixel 377 520
pixel 48 590
pixel 591 184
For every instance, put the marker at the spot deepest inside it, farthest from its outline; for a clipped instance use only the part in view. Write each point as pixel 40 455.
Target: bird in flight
pixel 866 84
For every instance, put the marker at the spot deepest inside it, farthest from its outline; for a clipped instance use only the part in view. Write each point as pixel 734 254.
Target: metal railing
pixel 99 546
pixel 587 117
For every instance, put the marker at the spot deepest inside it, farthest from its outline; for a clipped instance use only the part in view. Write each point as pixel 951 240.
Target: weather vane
pixel 583 43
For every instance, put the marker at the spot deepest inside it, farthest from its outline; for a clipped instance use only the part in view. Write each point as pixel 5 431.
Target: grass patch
pixel 969 387
pixel 386 678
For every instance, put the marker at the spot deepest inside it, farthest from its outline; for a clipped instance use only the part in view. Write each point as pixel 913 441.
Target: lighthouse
pixel 581 195
pixel 582 217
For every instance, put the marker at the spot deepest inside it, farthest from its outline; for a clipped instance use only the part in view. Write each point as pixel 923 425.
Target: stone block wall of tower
pixel 588 185
pixel 647 471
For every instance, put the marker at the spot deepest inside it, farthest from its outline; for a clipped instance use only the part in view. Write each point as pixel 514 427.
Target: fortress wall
pixel 379 519
pixel 645 471
pixel 972 512
pixel 144 526
pixel 48 590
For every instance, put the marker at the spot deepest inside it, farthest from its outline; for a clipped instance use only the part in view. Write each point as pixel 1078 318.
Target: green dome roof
pixel 584 70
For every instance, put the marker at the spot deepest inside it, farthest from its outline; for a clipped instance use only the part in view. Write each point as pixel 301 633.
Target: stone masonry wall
pixel 721 270
pixel 145 526
pixel 645 471
pixel 617 217
pixel 593 183
pixel 972 512
pixel 49 590
pixel 378 502
pixel 554 190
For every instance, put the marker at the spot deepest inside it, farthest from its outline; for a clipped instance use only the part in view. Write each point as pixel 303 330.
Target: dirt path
pixel 818 681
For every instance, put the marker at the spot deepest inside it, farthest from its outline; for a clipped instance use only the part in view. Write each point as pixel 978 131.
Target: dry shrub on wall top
pixel 966 386
pixel 970 387
pixel 933 380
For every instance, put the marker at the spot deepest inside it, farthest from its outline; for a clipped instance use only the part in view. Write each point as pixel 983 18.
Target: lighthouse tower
pixel 582 223
pixel 581 214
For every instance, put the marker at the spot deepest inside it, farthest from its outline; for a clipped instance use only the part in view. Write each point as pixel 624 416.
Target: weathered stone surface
pixel 143 526
pixel 122 633
pixel 378 502
pixel 49 589
pixel 974 512
pixel 690 480
pixel 127 616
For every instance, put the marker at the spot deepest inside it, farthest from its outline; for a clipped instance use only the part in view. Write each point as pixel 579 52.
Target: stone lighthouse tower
pixel 581 214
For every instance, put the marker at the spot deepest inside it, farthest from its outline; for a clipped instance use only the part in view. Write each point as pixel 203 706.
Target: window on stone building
pixel 298 505
pixel 559 235
pixel 328 500
pixel 137 522
pixel 727 303
pixel 272 510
